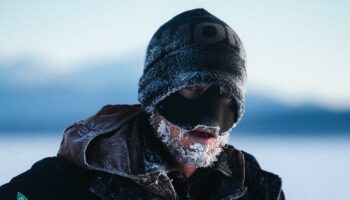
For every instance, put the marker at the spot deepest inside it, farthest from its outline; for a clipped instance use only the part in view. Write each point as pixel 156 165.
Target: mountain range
pixel 36 98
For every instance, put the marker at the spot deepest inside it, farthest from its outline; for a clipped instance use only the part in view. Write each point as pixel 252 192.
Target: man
pixel 174 144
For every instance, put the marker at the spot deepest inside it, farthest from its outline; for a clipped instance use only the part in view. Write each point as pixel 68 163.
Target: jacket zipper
pixel 188 193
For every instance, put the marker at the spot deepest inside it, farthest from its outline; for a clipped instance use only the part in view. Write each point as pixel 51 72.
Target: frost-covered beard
pixel 200 155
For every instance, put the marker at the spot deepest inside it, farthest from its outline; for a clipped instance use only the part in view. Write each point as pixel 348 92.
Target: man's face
pixel 198 146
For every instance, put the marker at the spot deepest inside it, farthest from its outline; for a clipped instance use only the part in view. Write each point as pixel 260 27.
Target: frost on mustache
pixel 197 154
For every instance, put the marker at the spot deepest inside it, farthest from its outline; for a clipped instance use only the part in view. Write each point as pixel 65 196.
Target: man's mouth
pixel 201 134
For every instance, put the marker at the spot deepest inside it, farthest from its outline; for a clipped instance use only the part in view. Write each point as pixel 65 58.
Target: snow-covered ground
pixel 312 168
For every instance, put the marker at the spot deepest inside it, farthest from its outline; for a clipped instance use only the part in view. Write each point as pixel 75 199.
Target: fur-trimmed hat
pixel 194 47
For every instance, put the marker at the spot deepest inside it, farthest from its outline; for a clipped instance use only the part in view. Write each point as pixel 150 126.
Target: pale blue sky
pixel 297 51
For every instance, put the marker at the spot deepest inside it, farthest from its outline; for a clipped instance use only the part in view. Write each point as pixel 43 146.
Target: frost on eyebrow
pixel 193 91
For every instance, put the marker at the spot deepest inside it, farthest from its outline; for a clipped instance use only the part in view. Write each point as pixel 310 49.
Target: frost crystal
pixel 201 155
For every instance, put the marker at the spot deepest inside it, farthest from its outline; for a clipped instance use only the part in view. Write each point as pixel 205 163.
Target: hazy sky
pixel 297 51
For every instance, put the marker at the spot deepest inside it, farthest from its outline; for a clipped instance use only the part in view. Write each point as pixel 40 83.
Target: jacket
pixel 114 155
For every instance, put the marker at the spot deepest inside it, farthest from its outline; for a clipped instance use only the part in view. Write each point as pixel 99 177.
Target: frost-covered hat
pixel 194 47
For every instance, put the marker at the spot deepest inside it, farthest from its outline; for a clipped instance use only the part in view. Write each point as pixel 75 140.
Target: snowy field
pixel 312 168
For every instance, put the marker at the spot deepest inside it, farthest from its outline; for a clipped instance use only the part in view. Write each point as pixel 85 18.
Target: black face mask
pixel 208 109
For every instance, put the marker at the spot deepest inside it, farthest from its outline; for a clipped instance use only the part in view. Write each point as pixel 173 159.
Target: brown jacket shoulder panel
pixel 111 117
pixel 90 143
